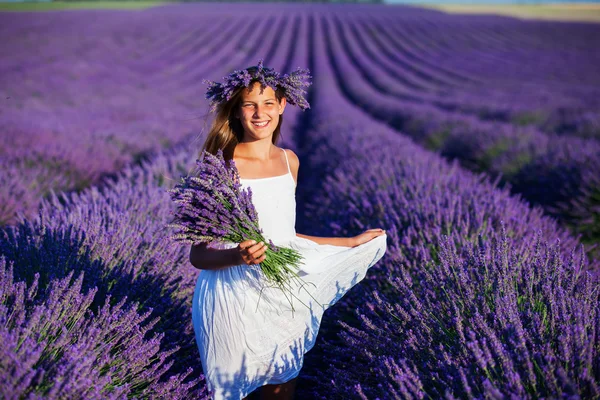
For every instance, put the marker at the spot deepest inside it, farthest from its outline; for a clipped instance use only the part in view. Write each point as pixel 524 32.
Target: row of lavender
pixel 74 107
pixel 495 68
pixel 78 108
pixel 63 148
pixel 559 173
pixel 476 297
pixel 90 310
pixel 57 328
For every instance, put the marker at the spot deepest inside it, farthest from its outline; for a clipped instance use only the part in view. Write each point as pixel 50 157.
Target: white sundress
pixel 245 343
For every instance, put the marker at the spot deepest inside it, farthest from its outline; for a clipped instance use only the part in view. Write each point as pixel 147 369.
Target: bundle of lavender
pixel 212 206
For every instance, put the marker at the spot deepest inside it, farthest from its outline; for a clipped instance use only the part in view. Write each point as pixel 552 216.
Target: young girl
pixel 246 336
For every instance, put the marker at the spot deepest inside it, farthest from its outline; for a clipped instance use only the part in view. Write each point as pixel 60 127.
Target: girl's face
pixel 259 113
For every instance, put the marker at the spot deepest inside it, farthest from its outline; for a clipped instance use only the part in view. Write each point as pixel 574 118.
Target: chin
pixel 261 135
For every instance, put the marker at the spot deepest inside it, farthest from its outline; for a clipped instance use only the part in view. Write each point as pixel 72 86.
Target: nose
pixel 258 110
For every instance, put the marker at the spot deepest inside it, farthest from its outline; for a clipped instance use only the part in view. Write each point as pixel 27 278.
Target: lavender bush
pixel 54 346
pixel 472 299
pixel 113 238
pixel 86 115
pixel 213 207
pixel 478 295
pixel 523 157
pixel 491 323
pixel 391 55
pixel 91 234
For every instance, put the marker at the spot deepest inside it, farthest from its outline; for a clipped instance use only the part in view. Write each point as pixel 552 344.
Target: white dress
pixel 245 343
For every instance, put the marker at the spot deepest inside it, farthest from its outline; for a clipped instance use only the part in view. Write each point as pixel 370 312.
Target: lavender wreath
pixel 292 84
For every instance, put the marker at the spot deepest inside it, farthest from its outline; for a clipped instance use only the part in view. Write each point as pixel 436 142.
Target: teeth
pixel 261 124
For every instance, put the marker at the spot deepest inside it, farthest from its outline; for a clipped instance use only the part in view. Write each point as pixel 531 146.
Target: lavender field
pixel 473 140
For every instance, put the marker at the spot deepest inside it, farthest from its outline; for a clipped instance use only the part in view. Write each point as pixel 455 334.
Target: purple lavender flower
pixel 213 207
pixel 292 84
pixel 54 346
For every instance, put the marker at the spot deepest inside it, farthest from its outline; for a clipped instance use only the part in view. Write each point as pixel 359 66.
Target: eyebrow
pixel 250 101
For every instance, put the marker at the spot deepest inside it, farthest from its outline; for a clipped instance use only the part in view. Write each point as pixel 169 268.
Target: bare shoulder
pixel 293 158
pixel 294 162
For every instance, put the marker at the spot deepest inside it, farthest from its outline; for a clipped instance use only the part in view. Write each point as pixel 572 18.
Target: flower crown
pixel 292 85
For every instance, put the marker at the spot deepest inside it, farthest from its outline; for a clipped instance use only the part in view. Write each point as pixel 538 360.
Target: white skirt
pixel 248 335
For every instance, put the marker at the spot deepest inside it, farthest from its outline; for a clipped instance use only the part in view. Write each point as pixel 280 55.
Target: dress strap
pixel 286 160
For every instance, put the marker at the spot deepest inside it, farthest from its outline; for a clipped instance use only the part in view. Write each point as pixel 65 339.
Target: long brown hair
pixel 226 130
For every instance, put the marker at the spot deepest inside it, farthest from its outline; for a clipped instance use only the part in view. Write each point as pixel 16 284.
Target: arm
pixel 248 252
pixel 364 237
pixel 203 257
pixel 335 241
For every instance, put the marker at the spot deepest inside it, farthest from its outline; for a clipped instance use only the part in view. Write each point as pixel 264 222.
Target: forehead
pixel 255 93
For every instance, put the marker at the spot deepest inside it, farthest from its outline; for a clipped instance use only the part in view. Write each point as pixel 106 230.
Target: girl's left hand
pixel 366 236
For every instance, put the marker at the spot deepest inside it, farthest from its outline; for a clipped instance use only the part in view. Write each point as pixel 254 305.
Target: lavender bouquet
pixel 212 206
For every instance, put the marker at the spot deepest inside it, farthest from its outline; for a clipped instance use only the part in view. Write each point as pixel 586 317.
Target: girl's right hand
pixel 252 252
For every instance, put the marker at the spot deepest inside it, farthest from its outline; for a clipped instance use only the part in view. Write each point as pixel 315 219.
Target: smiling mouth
pixel 261 124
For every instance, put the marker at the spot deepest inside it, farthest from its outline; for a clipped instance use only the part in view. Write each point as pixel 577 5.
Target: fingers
pixel 246 243
pixel 373 233
pixel 257 250
pixel 252 252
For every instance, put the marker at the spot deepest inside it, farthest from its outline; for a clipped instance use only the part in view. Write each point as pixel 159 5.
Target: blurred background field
pixel 568 11
pixel 473 139
pixel 75 5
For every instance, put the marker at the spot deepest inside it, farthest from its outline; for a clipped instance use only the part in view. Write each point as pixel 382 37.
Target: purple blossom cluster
pixel 212 206
pixel 396 66
pixel 114 234
pixel 55 346
pixel 479 294
pixel 547 168
pixel 292 84
pixel 77 109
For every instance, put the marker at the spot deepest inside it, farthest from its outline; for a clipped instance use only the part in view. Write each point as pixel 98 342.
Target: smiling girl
pixel 243 346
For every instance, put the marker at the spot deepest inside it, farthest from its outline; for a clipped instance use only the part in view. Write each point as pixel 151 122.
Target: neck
pixel 258 149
